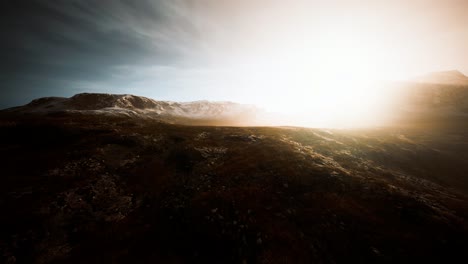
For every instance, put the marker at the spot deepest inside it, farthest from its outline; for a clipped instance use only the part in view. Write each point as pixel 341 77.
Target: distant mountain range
pixel 203 112
pixel 438 93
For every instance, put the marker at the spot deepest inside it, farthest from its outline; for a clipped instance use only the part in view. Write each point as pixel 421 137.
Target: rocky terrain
pixel 82 187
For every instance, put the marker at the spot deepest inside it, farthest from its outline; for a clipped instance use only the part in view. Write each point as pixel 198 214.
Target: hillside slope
pixel 94 188
pixel 435 94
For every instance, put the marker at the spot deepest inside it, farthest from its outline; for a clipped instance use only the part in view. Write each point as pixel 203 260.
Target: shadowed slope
pixel 89 188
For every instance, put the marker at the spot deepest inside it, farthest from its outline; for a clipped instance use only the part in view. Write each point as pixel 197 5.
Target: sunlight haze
pixel 323 60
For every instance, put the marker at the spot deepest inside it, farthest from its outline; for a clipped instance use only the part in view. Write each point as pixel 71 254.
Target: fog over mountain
pixel 437 93
pixel 453 77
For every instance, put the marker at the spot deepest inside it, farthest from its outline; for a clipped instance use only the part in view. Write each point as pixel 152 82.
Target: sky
pixel 268 53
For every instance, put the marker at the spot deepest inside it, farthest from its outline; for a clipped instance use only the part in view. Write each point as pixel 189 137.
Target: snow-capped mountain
pixel 131 105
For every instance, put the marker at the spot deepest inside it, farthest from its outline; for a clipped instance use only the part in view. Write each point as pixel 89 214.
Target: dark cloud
pixel 57 47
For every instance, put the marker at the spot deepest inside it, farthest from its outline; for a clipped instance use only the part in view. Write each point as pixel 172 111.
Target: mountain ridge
pixel 138 106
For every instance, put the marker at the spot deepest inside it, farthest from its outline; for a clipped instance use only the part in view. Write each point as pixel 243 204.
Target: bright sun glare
pixel 319 64
pixel 332 83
